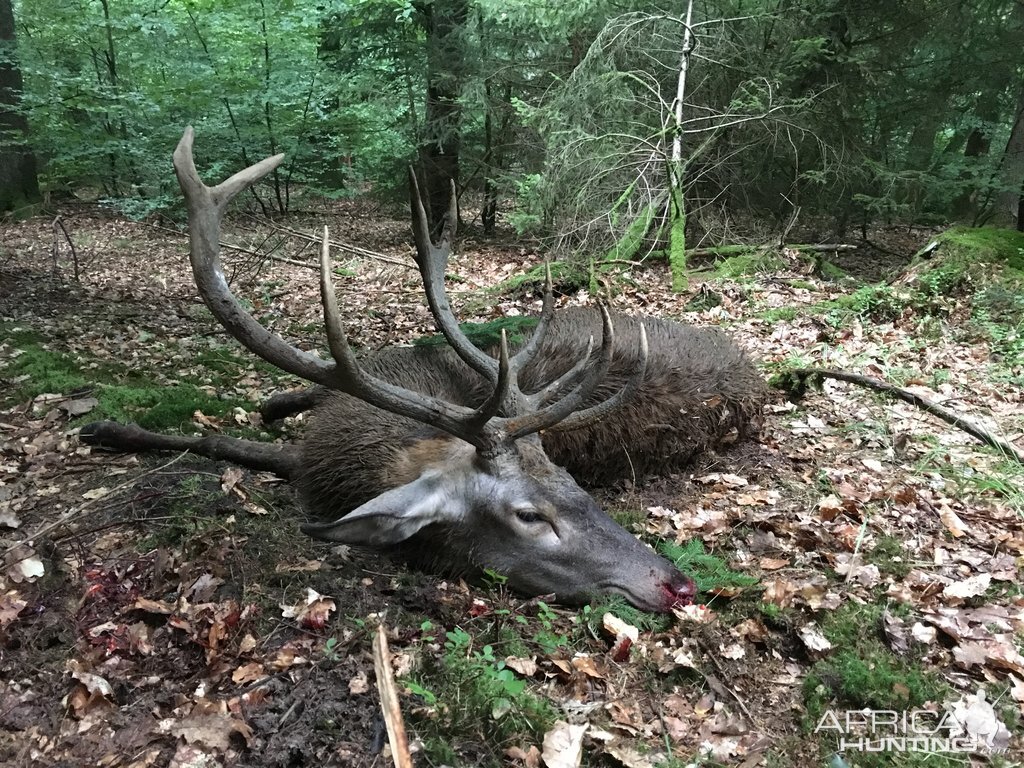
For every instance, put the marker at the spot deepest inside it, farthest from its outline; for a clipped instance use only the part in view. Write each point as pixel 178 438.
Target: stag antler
pixel 482 427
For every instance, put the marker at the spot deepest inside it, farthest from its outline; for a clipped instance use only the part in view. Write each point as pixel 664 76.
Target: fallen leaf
pixel 210 730
pixel 312 612
pixel 969 587
pixel 813 639
pixel 563 745
pixel 10 606
pixel 359 683
pixel 525 667
pixel 79 407
pixel 248 673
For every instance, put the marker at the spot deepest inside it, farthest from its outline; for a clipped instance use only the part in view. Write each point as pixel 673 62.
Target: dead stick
pixel 929 406
pixel 389 701
pixel 74 512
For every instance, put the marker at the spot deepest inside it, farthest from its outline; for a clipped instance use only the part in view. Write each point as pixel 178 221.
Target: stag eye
pixel 528 515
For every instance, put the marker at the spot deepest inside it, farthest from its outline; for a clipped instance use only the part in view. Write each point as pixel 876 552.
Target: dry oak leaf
pixel 248 673
pixel 23 565
pixel 312 612
pixel 11 605
pixel 969 587
pixel 359 683
pixel 211 730
pixel 563 745
pixel 525 667
pixel 813 639
pixel 530 757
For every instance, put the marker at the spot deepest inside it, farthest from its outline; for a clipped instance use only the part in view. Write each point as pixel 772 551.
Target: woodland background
pixel 558 114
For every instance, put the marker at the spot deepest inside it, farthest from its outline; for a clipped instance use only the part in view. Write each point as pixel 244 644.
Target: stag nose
pixel 678 591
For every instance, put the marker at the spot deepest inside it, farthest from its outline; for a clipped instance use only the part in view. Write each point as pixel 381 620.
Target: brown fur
pixel 700 389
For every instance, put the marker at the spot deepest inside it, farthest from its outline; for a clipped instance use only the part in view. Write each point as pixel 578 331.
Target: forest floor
pixel 866 558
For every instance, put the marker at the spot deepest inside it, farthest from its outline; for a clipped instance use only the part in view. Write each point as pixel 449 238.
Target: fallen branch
pixel 929 406
pixel 355 250
pixel 737 250
pixel 58 223
pixel 295 233
pixel 389 701
pixel 76 511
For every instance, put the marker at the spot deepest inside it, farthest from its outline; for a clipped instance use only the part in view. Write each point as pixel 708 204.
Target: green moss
pixel 889 556
pixel 37 368
pixel 862 672
pixel 158 408
pixel 830 271
pixel 749 262
pixel 488 335
pixel 566 277
pixel 778 314
pixel 988 244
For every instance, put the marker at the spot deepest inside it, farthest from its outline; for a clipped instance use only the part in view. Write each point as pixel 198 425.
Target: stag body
pixel 439 453
pixel 699 390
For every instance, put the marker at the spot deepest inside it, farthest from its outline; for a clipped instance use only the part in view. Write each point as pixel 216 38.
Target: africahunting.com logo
pixel 968 726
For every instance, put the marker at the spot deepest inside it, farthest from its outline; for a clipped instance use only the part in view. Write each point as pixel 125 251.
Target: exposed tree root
pixel 929 406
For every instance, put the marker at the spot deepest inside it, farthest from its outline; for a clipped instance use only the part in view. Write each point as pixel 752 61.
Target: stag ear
pixel 395 515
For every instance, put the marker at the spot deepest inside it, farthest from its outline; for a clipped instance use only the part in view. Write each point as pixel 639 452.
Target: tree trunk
pixel 1009 201
pixel 18 182
pixel 976 147
pixel 439 147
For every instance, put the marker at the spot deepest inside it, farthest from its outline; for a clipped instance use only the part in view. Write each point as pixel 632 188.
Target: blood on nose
pixel 679 590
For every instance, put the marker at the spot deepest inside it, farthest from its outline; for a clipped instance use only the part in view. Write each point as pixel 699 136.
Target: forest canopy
pixel 558 115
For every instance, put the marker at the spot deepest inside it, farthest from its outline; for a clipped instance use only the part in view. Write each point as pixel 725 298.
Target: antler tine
pixel 567 380
pixel 432 260
pixel 557 411
pixel 498 397
pixel 348 376
pixel 206 207
pixel 529 351
pixel 595 413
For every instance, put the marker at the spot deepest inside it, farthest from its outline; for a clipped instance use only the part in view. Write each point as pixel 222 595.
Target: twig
pixel 929 406
pixel 71 513
pixel 308 265
pixel 709 655
pixel 389 701
pixel 58 223
pixel 353 249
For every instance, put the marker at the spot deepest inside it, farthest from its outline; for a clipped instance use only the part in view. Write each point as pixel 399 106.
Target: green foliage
pixel 477 697
pixel 707 570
